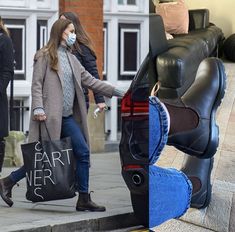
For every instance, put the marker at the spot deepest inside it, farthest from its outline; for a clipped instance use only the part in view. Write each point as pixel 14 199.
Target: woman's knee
pixel 83 157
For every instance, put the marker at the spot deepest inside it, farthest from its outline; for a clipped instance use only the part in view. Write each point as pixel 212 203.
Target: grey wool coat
pixel 47 93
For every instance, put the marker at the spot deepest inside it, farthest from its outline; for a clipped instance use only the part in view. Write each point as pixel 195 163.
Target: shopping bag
pixel 49 169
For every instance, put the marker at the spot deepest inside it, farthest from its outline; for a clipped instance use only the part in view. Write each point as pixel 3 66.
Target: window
pixel 129 50
pixel 41 33
pixel 131 2
pixel 105 52
pixel 121 2
pixel 129 5
pixel 17 32
pixel 127 2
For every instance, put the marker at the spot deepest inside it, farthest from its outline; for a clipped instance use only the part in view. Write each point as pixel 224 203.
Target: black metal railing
pixel 17 118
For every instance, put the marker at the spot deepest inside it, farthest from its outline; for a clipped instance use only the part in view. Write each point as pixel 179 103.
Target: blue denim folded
pixel 169 189
pixel 169 194
pixel 158 129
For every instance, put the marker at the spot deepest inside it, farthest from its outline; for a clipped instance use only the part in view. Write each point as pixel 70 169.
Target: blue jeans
pixel 169 189
pixel 70 128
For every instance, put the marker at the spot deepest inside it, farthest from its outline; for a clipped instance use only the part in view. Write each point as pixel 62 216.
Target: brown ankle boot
pixel 6 185
pixel 85 203
pixel 195 130
pixel 199 170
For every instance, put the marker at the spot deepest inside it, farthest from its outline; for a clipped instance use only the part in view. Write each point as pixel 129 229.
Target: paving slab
pixel 217 215
pixel 220 215
pixel 57 216
pixel 179 226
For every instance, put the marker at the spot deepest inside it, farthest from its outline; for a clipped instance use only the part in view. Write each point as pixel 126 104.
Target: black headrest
pixel 157 36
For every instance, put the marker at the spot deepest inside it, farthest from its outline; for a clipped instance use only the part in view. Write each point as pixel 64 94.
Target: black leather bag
pixel 49 169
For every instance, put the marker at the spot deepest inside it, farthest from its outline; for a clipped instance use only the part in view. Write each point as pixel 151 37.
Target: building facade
pixel 126 36
pixel 29 23
pixel 120 48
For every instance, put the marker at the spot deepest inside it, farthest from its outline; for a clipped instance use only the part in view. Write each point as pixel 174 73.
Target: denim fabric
pixel 169 189
pixel 18 175
pixel 70 128
pixel 158 129
pixel 169 194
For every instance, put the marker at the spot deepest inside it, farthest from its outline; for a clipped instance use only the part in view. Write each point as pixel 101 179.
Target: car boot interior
pixel 177 60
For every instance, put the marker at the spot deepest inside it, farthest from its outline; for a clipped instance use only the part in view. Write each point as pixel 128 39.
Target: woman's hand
pixel 40 117
pixel 102 106
pixel 39 114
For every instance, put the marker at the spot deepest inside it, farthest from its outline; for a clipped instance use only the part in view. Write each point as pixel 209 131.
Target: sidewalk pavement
pixel 219 216
pixel 60 216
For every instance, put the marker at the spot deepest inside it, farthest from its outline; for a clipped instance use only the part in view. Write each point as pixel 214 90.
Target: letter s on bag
pixel 35 192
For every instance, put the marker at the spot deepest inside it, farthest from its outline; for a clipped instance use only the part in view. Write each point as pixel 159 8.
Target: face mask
pixel 71 38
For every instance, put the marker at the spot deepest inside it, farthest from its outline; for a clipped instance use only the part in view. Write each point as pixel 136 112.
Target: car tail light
pixel 132 109
pixel 131 167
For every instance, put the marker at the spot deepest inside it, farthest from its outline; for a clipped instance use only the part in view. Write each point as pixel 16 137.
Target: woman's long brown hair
pixel 54 42
pixel 3 27
pixel 82 36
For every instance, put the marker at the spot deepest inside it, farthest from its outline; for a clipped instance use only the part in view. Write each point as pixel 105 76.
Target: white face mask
pixel 71 38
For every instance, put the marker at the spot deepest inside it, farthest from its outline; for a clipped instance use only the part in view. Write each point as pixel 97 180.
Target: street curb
pixel 98 224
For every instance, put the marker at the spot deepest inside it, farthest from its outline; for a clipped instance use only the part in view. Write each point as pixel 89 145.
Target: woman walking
pixel 58 99
pixel 85 53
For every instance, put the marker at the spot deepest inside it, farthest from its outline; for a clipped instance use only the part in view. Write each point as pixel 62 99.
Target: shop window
pixel 17 33
pixel 41 33
pixel 129 50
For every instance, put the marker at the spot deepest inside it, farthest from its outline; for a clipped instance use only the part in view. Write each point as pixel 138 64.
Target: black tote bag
pixel 49 169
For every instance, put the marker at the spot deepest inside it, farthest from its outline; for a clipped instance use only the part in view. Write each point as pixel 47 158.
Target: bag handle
pixel 155 89
pixel 40 131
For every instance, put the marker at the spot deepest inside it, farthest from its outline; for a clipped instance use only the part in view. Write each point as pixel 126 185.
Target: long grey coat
pixel 47 93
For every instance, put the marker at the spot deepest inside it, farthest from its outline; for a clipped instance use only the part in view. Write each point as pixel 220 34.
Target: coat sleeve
pixel 39 70
pixel 7 71
pixel 88 60
pixel 95 85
